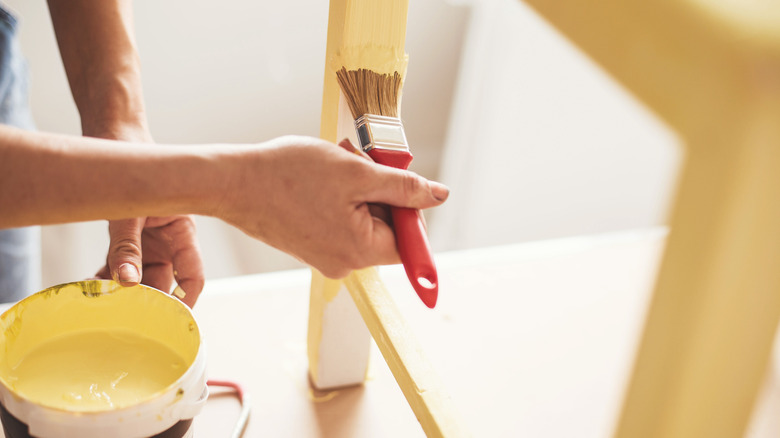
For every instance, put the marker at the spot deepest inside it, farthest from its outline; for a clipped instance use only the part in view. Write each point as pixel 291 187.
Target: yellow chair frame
pixel 711 70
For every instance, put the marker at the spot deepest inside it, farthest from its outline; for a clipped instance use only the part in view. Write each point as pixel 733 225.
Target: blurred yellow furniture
pixel 711 70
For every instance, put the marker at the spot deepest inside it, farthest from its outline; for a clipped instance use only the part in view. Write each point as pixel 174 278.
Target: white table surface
pixel 531 340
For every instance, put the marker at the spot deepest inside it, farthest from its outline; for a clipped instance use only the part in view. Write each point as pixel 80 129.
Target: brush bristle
pixel 369 92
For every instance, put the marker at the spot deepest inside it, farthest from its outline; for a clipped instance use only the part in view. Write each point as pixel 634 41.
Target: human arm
pixel 98 50
pixel 304 196
pixel 52 178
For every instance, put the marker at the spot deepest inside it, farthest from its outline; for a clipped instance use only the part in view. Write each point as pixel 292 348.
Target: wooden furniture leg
pixel 711 71
pixel 337 351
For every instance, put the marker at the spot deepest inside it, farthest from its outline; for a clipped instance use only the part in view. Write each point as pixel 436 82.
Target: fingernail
pixel 179 292
pixel 128 273
pixel 439 191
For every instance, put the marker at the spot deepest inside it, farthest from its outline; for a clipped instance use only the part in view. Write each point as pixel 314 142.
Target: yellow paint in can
pixel 94 346
pixel 95 370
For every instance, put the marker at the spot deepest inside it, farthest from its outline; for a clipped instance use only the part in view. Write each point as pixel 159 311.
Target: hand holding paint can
pixel 94 359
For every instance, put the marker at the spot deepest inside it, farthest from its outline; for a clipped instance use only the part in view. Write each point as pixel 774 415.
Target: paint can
pixel 95 359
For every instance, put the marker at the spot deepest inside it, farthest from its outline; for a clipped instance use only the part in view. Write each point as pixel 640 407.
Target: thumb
pixel 401 188
pixel 124 252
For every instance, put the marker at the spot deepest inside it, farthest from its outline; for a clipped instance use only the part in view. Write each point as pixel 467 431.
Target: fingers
pixel 398 187
pixel 104 273
pixel 124 252
pixel 402 188
pixel 173 253
pixel 384 251
pixel 158 276
pixel 388 186
pixel 349 147
pixel 380 250
pixel 159 250
pixel 188 265
pixel 382 212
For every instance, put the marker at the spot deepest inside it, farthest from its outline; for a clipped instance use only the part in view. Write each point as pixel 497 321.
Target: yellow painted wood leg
pixel 403 354
pixel 712 321
pixel 711 71
pixel 370 34
pixel 338 343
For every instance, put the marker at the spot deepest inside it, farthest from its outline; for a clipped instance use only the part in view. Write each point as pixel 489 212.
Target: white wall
pixel 539 142
pixel 542 143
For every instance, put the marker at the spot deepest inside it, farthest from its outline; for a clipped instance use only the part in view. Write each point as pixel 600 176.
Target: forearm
pixel 98 51
pixel 47 179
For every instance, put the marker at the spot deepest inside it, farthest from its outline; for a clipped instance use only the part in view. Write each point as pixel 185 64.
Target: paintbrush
pixel 369 63
pixel 374 101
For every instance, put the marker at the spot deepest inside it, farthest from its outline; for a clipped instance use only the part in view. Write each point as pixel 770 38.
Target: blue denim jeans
pixel 20 248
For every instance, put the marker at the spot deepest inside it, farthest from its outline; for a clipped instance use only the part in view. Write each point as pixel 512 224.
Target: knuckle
pixel 358 170
pixel 339 266
pixel 185 224
pixel 334 272
pixel 124 246
pixel 289 139
pixel 412 185
pixel 355 262
pixel 299 140
pixel 194 284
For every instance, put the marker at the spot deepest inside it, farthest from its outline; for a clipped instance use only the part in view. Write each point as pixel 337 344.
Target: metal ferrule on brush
pixel 380 132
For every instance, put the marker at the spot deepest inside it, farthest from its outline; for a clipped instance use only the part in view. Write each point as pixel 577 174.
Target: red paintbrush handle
pixel 416 254
pixel 410 236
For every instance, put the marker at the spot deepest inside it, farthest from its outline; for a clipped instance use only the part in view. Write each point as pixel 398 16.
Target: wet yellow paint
pixel 95 346
pixel 95 370
pixel 318 396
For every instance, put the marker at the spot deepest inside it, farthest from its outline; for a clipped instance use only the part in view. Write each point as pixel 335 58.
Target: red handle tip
pixel 410 234
pixel 427 290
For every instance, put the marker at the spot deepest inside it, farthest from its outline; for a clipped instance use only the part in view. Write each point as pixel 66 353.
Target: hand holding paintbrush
pixel 374 101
